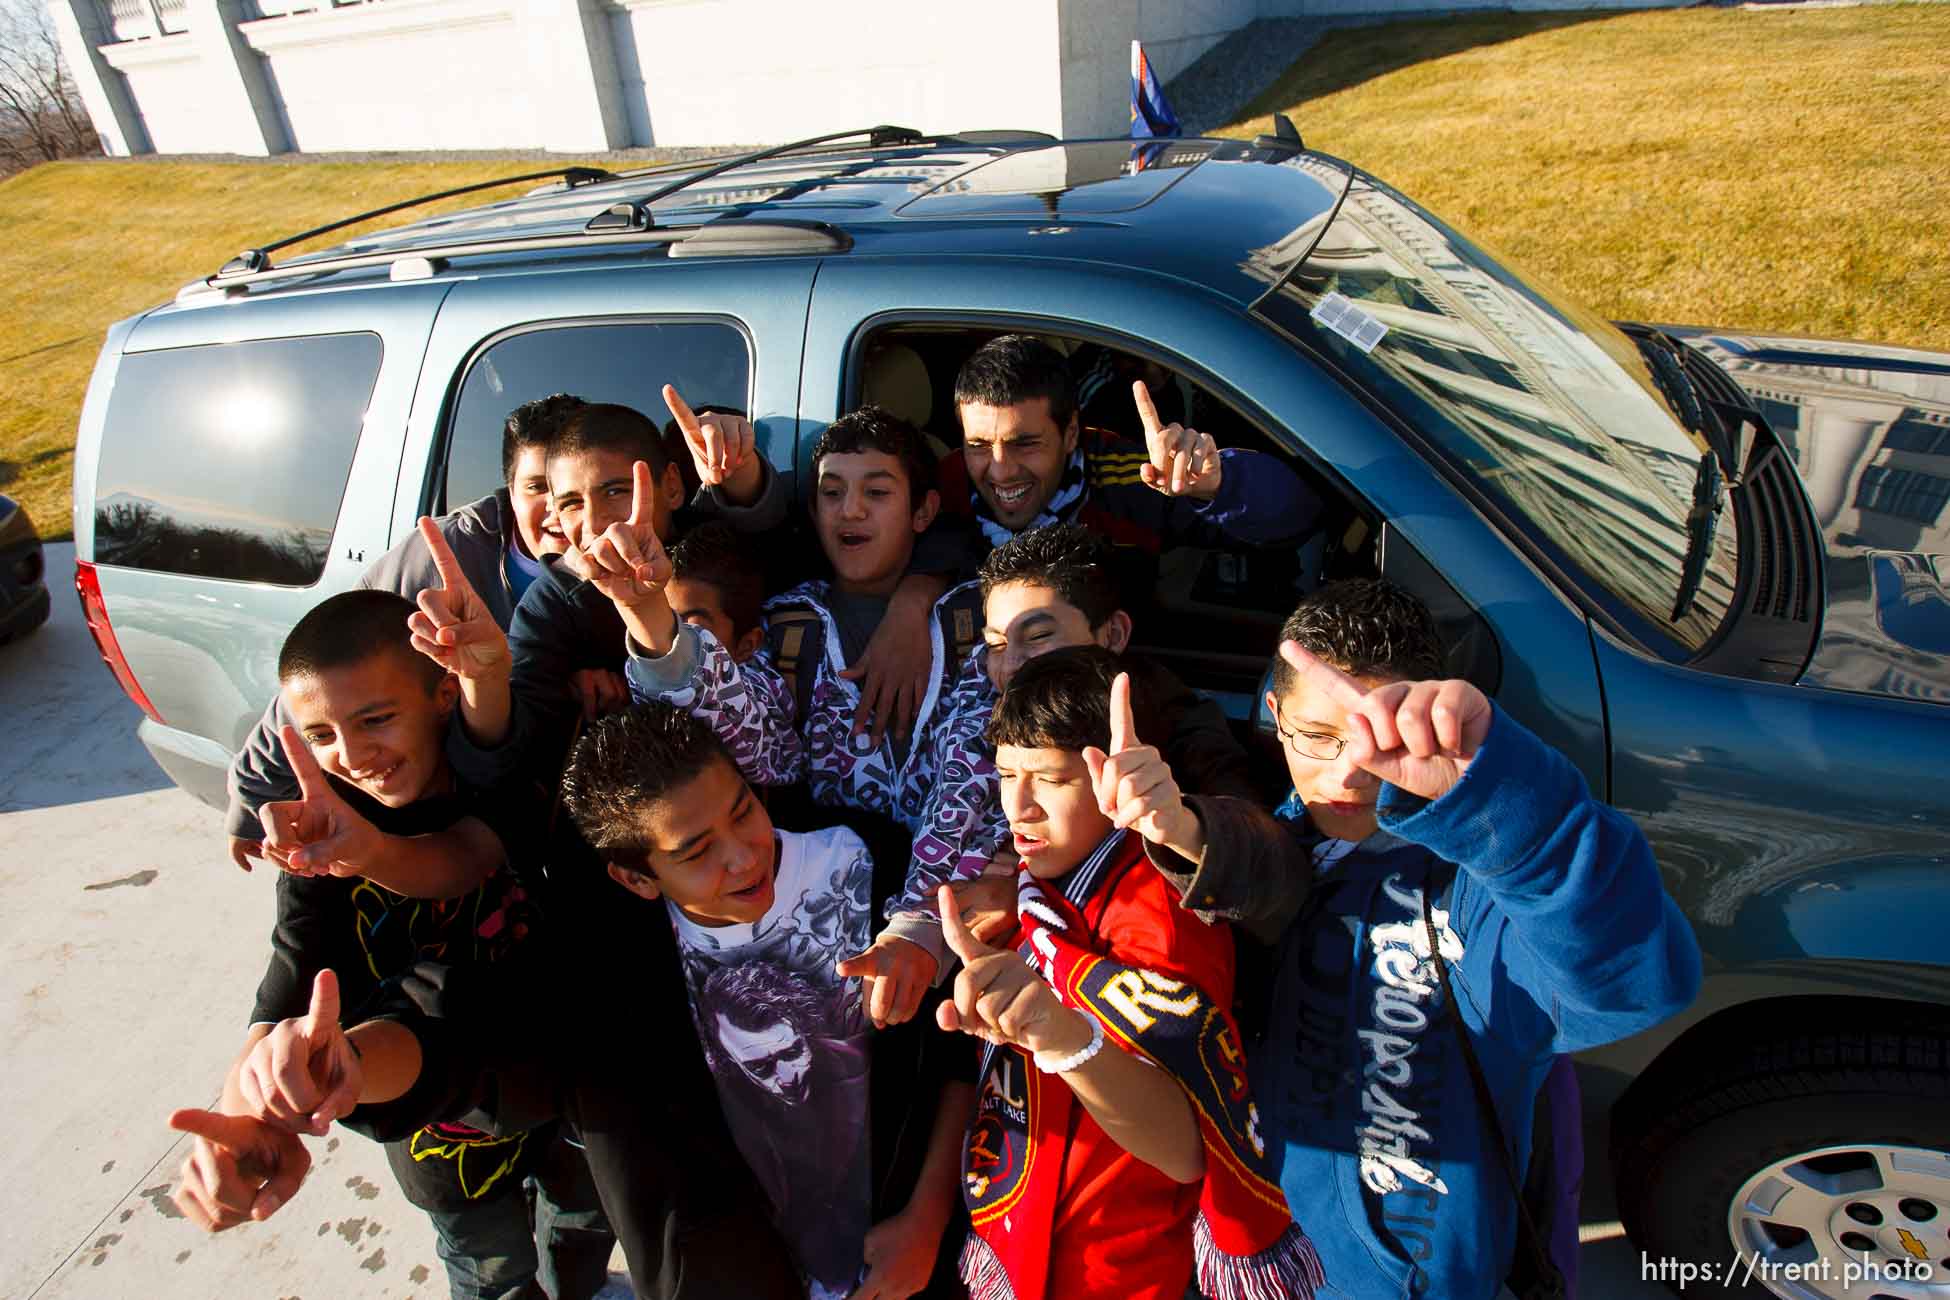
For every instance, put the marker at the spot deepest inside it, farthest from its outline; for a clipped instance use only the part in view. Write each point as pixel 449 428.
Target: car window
pixel 623 362
pixel 230 460
pixel 1547 407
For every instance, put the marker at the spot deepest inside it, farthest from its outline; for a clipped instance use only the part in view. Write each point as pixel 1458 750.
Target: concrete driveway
pixel 129 950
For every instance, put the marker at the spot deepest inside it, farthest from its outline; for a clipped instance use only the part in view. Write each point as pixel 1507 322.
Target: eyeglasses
pixel 1317 745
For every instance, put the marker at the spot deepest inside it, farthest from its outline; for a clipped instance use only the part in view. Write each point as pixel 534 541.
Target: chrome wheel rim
pixel 1846 1223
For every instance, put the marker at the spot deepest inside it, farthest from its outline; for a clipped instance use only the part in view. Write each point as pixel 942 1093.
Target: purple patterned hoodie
pixel 944 792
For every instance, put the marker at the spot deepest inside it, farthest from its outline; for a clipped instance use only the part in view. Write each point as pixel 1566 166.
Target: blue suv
pixel 1709 567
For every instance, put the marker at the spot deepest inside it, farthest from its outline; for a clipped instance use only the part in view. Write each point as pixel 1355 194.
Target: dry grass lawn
pixel 1786 170
pixel 1783 169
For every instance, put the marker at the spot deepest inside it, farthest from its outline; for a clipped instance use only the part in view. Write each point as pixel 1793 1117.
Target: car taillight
pixel 95 611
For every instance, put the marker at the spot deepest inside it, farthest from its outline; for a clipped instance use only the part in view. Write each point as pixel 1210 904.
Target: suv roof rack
pixel 717 237
pixel 253 260
pixel 256 262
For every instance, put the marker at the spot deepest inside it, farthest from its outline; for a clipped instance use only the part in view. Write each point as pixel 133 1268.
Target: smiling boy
pixel 389 860
pixel 762 919
pixel 873 497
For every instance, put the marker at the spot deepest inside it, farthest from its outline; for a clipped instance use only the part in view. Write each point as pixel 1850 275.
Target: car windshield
pixel 1546 406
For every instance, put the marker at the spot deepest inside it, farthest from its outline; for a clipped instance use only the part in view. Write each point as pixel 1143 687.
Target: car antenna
pixel 259 259
pixel 1285 137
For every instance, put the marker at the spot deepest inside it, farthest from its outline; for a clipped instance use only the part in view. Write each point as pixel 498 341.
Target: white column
pixel 82 26
pixel 573 81
pixel 240 94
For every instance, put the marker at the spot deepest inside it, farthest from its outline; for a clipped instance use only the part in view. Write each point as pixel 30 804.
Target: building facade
pixel 258 77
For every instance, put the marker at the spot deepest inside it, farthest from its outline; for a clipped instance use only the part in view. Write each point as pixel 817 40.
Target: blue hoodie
pixel 1558 936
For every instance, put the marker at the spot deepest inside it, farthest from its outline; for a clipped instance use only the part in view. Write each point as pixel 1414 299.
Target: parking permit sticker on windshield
pixel 1339 314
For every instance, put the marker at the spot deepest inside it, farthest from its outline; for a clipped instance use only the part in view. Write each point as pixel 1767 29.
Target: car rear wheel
pixel 1808 1165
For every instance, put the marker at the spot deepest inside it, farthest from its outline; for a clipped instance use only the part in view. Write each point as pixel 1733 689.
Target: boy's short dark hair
pixel 628 761
pixel 1067 559
pixel 534 424
pixel 1365 627
pixel 606 426
pixel 873 428
pixel 350 628
pixel 1012 368
pixel 1061 700
pixel 717 556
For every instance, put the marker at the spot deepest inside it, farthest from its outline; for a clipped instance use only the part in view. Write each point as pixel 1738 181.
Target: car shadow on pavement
pixel 67 732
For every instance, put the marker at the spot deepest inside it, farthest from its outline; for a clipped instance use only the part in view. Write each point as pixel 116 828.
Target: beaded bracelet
pixel 1077 1059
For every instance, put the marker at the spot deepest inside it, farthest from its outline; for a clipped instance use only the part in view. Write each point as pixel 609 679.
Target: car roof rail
pixel 878 137
pixel 719 237
pixel 255 260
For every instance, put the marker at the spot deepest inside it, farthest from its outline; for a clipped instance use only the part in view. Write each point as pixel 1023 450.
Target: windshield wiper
pixel 1702 521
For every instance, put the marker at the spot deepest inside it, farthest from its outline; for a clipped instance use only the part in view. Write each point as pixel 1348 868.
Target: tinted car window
pixel 708 361
pixel 229 460
pixel 1547 406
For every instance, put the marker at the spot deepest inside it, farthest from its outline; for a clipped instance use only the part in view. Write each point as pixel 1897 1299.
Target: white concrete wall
pixel 1096 51
pixel 707 72
pixel 403 74
pixel 167 80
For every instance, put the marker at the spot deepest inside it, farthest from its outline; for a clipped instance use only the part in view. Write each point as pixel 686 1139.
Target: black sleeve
pixel 313 932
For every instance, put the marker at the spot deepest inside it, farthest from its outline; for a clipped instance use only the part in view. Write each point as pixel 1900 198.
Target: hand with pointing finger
pixel 303 1074
pixel 1000 998
pixel 318 833
pixel 1416 736
pixel 894 975
pixel 238 1170
pixel 1134 785
pixel 454 626
pixel 626 561
pixel 722 447
pixel 1184 462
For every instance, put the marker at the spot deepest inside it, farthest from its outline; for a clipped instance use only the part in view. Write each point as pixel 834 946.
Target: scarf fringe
pixel 982 1271
pixel 1289 1269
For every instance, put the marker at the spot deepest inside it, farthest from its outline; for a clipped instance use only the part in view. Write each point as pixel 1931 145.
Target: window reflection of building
pixel 1566 427
pixel 1872 445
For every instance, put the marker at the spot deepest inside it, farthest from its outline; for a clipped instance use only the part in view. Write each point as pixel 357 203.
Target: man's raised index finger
pixel 642 487
pixel 1343 689
pixel 681 411
pixel 1147 412
pixel 961 941
pixel 311 777
pixel 452 577
pixel 1123 723
pixel 324 1010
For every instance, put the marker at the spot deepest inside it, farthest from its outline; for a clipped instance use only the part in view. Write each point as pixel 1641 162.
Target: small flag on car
pixel 1150 114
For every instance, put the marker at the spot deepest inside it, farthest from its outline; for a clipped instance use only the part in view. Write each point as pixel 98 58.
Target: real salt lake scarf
pixel 1245 1243
pixel 1062 505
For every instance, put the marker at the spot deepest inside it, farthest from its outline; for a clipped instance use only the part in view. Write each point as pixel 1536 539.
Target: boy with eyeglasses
pixel 1454 910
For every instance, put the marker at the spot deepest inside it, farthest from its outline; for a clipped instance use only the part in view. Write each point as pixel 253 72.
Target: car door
pixel 1428 538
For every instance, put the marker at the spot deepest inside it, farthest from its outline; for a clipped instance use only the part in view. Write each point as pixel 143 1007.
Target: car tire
pixel 1792 1143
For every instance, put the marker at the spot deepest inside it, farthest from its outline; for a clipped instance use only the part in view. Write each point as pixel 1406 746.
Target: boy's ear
pixel 925 512
pixel 748 643
pixel 1071 432
pixel 672 486
pixel 447 694
pixel 1115 634
pixel 640 883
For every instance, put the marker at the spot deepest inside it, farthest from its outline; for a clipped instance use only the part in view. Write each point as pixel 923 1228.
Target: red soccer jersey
pixel 1123 1230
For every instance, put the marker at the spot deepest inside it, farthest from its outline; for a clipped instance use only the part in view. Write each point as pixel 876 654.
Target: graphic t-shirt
pixel 786 1040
